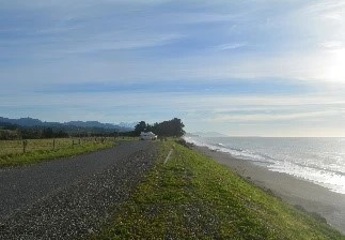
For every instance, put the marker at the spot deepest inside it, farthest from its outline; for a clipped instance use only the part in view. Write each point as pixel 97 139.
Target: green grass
pixel 193 197
pixel 16 146
pixel 39 150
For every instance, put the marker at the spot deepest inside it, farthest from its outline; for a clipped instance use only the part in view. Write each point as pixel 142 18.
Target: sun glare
pixel 335 70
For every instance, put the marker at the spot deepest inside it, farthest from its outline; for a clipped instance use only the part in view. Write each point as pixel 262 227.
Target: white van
pixel 148 136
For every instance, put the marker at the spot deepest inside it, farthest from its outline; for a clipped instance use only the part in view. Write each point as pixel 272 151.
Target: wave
pixel 327 176
pixel 333 180
pixel 238 153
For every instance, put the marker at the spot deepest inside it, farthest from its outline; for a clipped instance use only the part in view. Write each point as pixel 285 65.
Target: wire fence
pixel 8 147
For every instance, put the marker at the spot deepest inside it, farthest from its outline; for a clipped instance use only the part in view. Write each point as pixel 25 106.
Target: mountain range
pixel 31 122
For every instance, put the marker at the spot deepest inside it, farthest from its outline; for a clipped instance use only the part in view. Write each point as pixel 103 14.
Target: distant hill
pixel 25 122
pixel 31 122
pixel 208 134
pixel 91 124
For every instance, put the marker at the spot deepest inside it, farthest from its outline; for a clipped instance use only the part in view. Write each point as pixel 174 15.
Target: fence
pixel 8 147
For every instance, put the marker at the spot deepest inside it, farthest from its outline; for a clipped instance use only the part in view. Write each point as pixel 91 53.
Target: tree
pixel 171 128
pixel 48 133
pixel 140 127
pixel 9 134
pixel 177 127
pixel 61 134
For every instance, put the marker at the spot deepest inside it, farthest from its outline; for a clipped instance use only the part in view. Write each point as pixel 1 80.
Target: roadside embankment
pixel 306 195
pixel 194 197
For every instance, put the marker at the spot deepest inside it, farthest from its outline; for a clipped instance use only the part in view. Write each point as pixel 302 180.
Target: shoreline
pixel 310 196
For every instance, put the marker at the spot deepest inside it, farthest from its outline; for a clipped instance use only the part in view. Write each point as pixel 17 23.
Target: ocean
pixel 318 160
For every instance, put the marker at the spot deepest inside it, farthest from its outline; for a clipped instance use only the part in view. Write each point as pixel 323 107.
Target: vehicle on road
pixel 148 136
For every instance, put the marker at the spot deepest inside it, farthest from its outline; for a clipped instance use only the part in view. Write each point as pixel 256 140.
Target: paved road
pixel 70 198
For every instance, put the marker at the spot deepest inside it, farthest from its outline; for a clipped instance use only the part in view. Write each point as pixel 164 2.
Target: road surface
pixel 70 198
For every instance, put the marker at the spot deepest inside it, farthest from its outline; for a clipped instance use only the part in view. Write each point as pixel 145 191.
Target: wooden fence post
pixel 25 143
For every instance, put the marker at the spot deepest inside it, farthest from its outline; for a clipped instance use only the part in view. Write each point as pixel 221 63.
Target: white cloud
pixel 274 117
pixel 117 43
pixel 229 46
pixel 15 4
pixel 316 69
pixel 221 111
pixel 337 16
pixel 87 42
pixel 326 7
pixel 332 44
pixel 198 17
pixel 216 103
pixel 307 65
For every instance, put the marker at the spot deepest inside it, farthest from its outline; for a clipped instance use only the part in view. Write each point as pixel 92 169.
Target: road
pixel 70 198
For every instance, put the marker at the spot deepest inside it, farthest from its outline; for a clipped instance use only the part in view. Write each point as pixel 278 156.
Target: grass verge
pixel 193 197
pixel 19 159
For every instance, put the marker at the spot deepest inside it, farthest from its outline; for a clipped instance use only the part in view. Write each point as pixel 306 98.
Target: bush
pixel 184 143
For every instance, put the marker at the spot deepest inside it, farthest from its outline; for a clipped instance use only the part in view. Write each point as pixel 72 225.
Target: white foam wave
pixel 331 176
pixel 331 180
pixel 241 154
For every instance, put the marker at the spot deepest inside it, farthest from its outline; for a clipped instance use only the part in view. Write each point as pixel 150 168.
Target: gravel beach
pixel 70 198
pixel 307 195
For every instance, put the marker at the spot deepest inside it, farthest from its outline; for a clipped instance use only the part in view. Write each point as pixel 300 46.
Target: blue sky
pixel 258 67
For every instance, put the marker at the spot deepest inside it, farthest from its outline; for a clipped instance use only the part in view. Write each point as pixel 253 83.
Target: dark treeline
pixel 31 133
pixel 9 131
pixel 171 128
pixel 12 132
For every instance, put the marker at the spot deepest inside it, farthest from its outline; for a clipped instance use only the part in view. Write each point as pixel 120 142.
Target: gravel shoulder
pixel 70 198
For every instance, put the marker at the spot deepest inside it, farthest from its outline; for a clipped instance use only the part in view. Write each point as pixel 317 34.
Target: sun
pixel 335 66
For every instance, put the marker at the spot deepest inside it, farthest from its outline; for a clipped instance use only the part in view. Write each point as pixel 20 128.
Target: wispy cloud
pixel 329 8
pixel 229 46
pixel 219 62
pixel 113 43
pixel 274 117
pixel 332 44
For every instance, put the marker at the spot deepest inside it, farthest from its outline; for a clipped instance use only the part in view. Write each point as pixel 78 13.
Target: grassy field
pixel 14 153
pixel 193 197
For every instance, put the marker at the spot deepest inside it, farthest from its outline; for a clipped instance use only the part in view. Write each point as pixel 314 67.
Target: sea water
pixel 318 160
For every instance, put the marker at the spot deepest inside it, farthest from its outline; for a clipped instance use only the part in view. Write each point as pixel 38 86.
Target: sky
pixel 241 68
